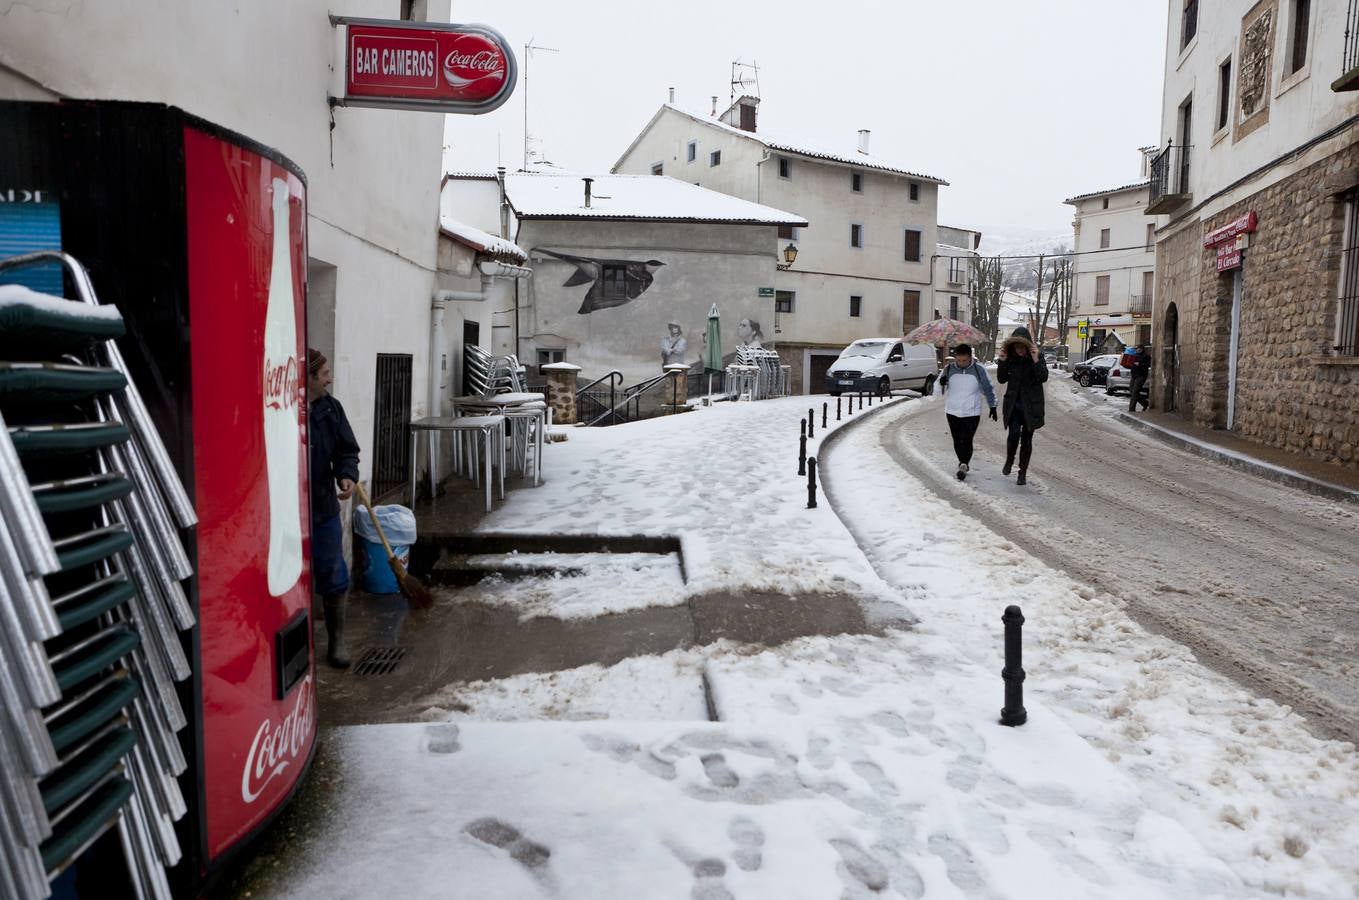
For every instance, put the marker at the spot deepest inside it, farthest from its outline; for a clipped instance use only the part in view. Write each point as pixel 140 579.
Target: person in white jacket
pixel 964 383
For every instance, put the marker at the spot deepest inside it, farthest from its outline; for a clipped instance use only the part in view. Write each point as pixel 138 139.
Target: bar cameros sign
pixel 427 66
pixel 1228 241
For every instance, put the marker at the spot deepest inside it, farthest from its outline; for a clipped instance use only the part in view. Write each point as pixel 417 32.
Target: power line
pixel 1056 254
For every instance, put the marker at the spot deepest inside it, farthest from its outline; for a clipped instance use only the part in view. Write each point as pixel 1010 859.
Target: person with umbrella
pixel 1021 369
pixel 963 402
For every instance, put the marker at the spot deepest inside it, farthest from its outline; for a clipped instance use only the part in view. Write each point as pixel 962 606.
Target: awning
pixel 1101 321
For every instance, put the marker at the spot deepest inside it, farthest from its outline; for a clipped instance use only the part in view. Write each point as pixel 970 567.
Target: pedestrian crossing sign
pixel 1083 329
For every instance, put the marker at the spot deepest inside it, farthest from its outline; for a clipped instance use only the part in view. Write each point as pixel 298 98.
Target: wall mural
pixel 613 282
pixel 674 346
pixel 1255 68
pixel 748 334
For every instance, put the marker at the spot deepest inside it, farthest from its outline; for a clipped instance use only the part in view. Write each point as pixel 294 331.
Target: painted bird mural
pixel 613 282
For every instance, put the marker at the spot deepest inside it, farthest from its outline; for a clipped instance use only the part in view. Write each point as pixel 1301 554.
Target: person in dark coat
pixel 334 466
pixel 1141 371
pixel 1020 367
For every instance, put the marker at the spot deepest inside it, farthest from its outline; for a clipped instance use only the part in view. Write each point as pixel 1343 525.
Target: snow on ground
pixel 1242 774
pixel 846 766
pixel 614 582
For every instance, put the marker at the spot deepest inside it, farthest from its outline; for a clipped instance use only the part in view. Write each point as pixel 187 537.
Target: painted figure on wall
pixel 673 346
pixel 748 334
pixel 613 282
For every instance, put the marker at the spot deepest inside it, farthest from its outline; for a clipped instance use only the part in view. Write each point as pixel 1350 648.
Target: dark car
pixel 1094 370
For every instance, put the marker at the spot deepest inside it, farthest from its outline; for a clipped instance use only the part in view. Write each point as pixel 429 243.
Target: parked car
pixel 1094 370
pixel 1120 378
pixel 881 365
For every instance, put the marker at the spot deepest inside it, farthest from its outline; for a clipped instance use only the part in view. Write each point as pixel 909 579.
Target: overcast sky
pixel 1016 104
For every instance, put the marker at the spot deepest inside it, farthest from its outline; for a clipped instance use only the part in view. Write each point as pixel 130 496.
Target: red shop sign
pixel 459 69
pixel 1228 257
pixel 1241 225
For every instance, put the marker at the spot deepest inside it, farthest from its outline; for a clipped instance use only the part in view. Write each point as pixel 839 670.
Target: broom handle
pixel 363 498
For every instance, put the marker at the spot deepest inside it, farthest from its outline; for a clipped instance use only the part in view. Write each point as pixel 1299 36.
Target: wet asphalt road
pixel 1260 580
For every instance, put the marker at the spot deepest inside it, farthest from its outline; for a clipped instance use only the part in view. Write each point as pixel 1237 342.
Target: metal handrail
pixel 631 397
pixel 611 376
pixel 1350 58
pixel 1170 171
pixel 615 380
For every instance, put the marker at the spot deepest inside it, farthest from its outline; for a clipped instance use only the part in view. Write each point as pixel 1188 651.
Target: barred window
pixel 1347 309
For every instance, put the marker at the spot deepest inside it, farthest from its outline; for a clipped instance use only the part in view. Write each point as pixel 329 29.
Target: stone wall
pixel 1289 393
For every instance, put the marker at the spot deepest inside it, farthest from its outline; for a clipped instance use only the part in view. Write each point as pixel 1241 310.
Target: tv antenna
pixel 743 76
pixel 528 54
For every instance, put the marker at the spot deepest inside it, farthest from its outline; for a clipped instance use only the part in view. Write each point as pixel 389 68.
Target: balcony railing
pixel 1139 304
pixel 1349 66
pixel 1170 179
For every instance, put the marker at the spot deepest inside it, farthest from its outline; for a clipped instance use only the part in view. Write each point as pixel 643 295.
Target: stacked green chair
pixel 91 597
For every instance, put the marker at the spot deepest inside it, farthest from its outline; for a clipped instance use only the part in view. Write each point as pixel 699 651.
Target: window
pixel 855 303
pixel 953 307
pixel 1101 290
pixel 856 235
pixel 910 310
pixel 788 232
pixel 391 422
pixel 1106 203
pixel 1190 23
pixel 715 158
pixel 615 280
pixel 914 190
pixel 783 301
pixel 1297 36
pixel 856 182
pixel 1151 236
pixel 957 270
pixel 1148 286
pixel 785 169
pixel 1186 145
pixel 409 12
pixel 1104 238
pixel 912 245
pixel 657 169
pixel 547 357
pixel 1224 93
pixel 1347 309
pixel 691 151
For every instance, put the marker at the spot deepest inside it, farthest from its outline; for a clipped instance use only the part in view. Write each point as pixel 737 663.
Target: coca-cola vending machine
pixel 198 235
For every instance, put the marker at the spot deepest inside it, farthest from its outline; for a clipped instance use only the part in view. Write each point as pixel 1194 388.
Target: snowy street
pixel 1258 579
pixel 833 765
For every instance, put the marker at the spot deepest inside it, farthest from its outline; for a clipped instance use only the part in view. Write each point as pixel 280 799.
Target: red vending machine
pixel 198 235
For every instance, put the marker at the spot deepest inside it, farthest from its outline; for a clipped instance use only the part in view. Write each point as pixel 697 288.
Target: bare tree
pixel 988 277
pixel 1057 306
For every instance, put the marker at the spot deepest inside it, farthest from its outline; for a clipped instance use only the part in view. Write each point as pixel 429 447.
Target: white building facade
pixel 1256 315
pixel 1114 274
pixel 863 266
pixel 953 259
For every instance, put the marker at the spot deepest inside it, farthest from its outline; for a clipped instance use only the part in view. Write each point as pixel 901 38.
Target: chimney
pixel 863 140
pixel 672 97
pixel 588 182
pixel 504 202
pixel 714 104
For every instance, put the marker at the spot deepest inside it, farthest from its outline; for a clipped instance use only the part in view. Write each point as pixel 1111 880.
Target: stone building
pixel 1256 311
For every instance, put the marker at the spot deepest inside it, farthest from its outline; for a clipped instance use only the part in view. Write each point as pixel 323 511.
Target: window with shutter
pixel 912 245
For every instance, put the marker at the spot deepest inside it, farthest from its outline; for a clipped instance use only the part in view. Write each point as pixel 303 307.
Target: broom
pixel 411 587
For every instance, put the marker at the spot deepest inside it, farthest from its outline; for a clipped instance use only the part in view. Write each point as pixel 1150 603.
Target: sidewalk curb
pixel 1226 457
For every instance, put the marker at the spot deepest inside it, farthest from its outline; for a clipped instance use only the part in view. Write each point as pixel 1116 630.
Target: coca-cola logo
pixel 280 383
pixel 276 747
pixel 472 59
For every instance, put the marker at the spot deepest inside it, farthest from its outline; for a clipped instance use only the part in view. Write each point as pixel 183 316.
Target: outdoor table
pixel 490 430
pixel 527 407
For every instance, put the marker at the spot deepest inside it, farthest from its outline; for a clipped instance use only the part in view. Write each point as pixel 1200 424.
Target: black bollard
pixel 1013 713
pixel 803 430
pixel 811 483
pixel 811 423
pixel 837 408
pixel 825 411
pixel 802 455
pixel 871 395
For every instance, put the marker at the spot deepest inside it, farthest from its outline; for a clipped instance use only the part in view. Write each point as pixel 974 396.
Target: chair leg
pixel 432 451
pixel 487 435
pixel 415 466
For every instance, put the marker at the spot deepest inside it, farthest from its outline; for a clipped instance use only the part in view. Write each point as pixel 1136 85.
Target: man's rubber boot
pixel 1024 465
pixel 334 608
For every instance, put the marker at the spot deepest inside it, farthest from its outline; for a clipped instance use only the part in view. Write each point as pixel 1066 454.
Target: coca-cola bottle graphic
pixel 282 432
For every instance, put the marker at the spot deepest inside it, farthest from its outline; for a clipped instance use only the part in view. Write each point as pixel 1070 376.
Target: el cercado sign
pixel 426 66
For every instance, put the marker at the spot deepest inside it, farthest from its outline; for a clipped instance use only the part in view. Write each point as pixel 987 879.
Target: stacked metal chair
pixel 487 374
pixel 91 600
pixel 769 377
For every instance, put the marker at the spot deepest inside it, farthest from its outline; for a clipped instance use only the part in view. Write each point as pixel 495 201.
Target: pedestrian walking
pixel 334 467
pixel 1020 368
pixel 1141 371
pixel 964 383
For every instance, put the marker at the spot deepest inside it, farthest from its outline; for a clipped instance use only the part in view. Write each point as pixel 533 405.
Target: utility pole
pixel 528 54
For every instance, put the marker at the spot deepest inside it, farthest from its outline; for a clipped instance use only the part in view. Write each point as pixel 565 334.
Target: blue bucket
pixel 378 577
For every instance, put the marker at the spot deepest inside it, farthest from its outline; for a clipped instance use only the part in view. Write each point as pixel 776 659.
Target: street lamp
pixel 789 257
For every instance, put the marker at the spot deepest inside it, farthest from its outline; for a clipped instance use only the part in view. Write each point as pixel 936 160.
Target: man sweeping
pixel 334 458
pixel 963 384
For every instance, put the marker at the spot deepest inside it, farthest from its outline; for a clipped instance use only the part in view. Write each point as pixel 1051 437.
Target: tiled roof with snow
pixel 649 198
pixel 813 149
pixel 483 242
pixel 952 249
pixel 1118 190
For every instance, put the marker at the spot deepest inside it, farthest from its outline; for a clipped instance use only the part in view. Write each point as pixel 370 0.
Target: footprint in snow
pixel 958 863
pixel 534 857
pixel 748 838
pixel 859 868
pixel 442 738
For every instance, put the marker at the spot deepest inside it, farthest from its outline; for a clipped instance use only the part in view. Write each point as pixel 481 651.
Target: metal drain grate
pixel 379 661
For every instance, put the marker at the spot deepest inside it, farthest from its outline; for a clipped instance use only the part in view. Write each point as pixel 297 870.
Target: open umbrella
pixel 944 333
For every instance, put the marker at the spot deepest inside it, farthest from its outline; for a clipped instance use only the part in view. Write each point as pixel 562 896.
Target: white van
pixel 882 365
